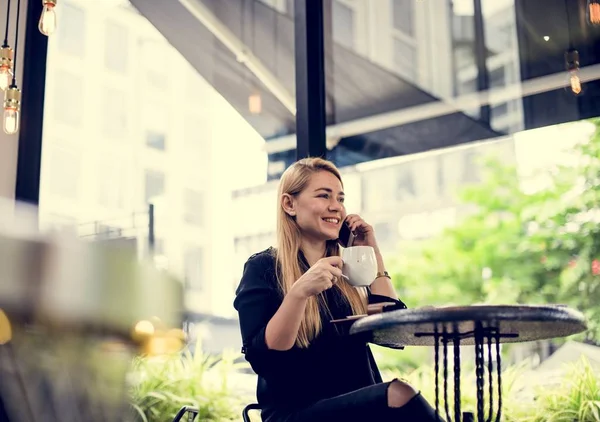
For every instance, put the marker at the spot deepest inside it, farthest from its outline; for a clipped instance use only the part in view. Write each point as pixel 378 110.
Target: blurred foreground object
pixel 72 315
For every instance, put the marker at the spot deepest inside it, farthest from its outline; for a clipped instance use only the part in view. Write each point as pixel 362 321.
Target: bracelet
pixel 383 274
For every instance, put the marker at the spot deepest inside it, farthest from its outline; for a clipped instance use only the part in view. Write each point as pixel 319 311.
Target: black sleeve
pixel 398 304
pixel 257 299
pixel 373 298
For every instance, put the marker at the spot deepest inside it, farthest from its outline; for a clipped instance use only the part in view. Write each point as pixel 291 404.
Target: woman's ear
pixel 288 205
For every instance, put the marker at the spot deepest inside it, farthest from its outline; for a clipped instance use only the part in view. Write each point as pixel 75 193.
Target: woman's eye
pixel 324 196
pixel 342 200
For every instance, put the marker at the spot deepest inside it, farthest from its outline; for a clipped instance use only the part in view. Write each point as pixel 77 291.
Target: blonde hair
pixel 293 181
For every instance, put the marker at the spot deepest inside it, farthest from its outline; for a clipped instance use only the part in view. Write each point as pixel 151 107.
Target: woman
pixel 308 369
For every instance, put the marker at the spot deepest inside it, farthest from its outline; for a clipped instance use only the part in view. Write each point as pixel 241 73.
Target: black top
pixel 333 364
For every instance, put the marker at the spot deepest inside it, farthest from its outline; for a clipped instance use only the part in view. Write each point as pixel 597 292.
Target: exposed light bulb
pixel 575 82
pixel 12 106
pixel 6 64
pixel 593 12
pixel 6 76
pixel 11 121
pixel 47 24
pixel 573 76
pixel 255 103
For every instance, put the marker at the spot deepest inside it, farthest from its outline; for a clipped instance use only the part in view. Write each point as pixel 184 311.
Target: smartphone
pixel 346 237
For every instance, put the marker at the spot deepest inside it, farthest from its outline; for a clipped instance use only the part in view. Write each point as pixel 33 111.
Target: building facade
pixel 128 123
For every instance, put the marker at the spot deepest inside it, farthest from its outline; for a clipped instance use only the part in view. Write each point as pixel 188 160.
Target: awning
pixel 360 87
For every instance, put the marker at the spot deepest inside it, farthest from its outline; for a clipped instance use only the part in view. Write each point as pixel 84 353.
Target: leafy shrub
pixel 162 385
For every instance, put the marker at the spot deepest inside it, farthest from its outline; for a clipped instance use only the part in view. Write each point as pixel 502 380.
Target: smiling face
pixel 319 208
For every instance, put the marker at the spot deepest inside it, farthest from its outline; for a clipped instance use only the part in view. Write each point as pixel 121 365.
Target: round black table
pixel 477 325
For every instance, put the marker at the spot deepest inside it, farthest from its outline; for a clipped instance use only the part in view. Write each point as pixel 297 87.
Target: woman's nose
pixel 335 206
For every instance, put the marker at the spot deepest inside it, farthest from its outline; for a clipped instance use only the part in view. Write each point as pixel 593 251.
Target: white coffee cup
pixel 360 265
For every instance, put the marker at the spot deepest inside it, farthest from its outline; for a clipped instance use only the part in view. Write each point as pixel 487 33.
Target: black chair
pixel 247 409
pixel 192 413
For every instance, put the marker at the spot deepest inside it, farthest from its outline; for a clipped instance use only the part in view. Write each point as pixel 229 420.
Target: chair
pixel 193 412
pixel 247 409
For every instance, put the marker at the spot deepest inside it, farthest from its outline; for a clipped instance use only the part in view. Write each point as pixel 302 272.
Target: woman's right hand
pixel 321 276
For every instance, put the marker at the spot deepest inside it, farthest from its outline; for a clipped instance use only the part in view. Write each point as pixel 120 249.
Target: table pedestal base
pixel 484 336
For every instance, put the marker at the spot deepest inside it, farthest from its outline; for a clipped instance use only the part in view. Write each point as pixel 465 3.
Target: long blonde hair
pixel 289 237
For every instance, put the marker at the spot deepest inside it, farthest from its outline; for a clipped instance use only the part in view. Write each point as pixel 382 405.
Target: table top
pixel 514 323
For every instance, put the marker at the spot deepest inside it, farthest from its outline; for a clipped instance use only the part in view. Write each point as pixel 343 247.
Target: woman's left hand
pixel 365 235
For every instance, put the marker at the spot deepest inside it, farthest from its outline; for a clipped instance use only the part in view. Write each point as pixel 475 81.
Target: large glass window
pixel 343 23
pixel 154 185
pixel 68 97
pixel 72 38
pixel 115 113
pixel 134 116
pixel 116 48
pixel 403 16
pixel 168 111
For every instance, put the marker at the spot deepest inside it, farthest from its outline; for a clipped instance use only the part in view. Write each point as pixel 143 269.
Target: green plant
pixel 535 247
pixel 162 385
pixel 575 397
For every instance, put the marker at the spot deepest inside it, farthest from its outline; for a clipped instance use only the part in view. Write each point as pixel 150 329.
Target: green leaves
pixel 535 247
pixel 573 396
pixel 162 385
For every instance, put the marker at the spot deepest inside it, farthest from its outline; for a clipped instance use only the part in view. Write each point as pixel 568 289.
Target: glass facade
pixel 198 118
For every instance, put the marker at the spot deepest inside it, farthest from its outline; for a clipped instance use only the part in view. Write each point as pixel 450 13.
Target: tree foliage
pixel 515 246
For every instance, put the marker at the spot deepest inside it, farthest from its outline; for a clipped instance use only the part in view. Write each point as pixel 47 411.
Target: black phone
pixel 346 237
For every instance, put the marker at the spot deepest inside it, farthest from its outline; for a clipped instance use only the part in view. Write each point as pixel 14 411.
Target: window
pixel 497 78
pixel 68 98
pixel 403 39
pixel 155 140
pixel 470 167
pixel 157 75
pixel 193 266
pixel 192 135
pixel 115 47
pixel 193 207
pixel 499 110
pixel 64 168
pixel 71 31
pixel 115 114
pixel 403 16
pixel 343 24
pixel 449 172
pixel 405 59
pixel 111 185
pixel 405 185
pixel 154 185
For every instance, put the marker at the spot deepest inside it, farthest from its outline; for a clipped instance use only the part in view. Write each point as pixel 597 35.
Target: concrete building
pixel 129 122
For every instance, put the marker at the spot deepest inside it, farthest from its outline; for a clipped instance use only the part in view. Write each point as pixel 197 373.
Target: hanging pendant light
pixel 47 24
pixel 12 110
pixel 6 56
pixel 12 94
pixel 573 75
pixel 6 66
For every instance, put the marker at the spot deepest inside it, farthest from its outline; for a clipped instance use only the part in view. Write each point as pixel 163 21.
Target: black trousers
pixel 364 405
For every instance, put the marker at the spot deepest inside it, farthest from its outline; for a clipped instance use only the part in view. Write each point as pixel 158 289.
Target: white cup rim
pixel 359 247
